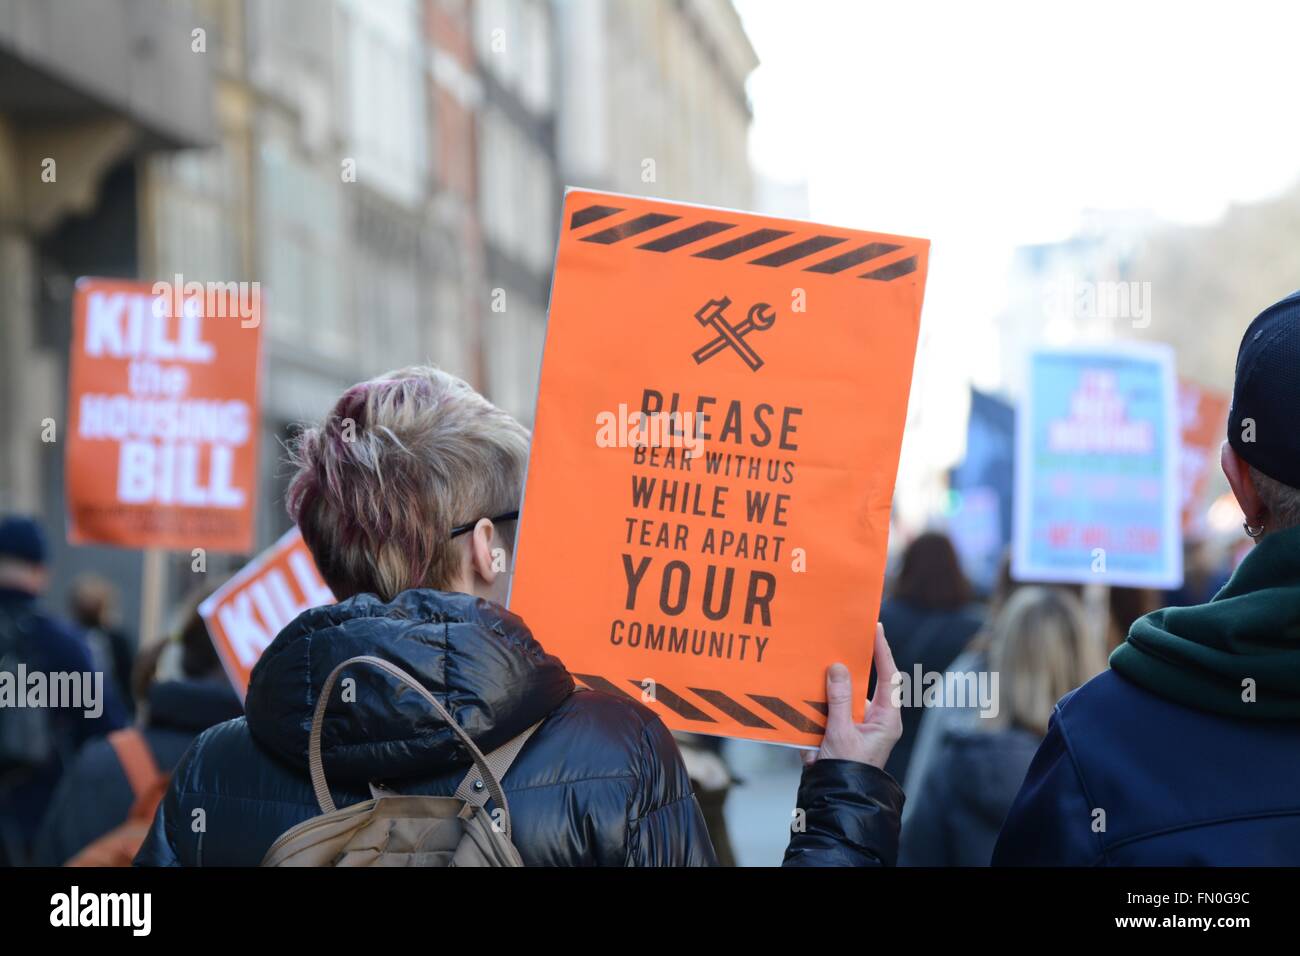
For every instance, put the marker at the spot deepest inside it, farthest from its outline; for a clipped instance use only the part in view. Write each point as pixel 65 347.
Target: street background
pixel 391 172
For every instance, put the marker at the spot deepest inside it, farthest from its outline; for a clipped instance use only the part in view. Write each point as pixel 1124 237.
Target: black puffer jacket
pixel 601 782
pixel 851 814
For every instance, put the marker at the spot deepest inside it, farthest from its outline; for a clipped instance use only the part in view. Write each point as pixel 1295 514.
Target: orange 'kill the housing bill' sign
pixel 163 414
pixel 717 436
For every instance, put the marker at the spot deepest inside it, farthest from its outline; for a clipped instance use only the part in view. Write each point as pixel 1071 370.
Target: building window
pixel 301 230
pixel 516 192
pixel 513 39
pixel 385 101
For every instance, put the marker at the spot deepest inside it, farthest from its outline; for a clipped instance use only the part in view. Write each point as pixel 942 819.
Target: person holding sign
pixel 1187 751
pixel 406 496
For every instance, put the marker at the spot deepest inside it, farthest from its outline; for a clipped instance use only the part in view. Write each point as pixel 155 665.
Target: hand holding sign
pixel 872 741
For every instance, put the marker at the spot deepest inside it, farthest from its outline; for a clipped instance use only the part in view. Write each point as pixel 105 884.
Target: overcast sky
pixel 923 117
pixel 986 125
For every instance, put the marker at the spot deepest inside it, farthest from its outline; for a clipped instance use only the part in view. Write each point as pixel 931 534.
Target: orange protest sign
pixel 1203 417
pixel 718 427
pixel 244 614
pixel 163 414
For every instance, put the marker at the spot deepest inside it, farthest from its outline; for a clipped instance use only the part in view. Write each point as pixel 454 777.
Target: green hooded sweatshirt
pixel 1239 655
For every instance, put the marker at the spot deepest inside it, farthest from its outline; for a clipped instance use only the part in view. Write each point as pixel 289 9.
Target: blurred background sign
pixel 163 418
pixel 980 499
pixel 244 614
pixel 1098 496
pixel 1203 422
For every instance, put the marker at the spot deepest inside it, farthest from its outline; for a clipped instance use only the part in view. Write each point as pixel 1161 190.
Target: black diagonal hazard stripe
pixel 818 705
pixel 892 271
pixel 787 713
pixel 872 250
pixel 688 234
pixel 675 240
pixel 584 217
pixel 727 705
pixel 677 704
pixel 743 716
pixel 601 684
pixel 798 251
pixel 630 228
pixel 743 243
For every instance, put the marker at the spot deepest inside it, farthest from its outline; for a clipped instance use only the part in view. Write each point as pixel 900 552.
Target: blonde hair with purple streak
pixel 399 461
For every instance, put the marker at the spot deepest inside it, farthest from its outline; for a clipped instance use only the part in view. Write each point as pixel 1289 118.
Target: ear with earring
pixel 1254 530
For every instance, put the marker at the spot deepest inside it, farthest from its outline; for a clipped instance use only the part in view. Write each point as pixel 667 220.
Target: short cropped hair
pixel 398 462
pixel 1282 501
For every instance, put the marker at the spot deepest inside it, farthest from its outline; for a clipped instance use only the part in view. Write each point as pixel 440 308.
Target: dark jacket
pixel 114 654
pixel 600 782
pixel 94 796
pixel 954 817
pixel 1186 752
pixel 930 639
pixel 1177 786
pixel 851 813
pixel 46 645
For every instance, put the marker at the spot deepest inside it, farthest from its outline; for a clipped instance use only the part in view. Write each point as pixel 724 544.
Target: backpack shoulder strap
pixel 137 760
pixel 498 762
pixel 316 764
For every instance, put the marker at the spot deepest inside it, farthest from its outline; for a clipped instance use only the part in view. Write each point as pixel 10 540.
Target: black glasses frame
pixel 462 528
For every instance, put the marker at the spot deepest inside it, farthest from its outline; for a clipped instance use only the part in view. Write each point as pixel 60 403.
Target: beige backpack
pixel 392 829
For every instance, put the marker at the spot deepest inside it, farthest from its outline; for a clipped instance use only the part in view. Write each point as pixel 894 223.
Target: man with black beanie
pixel 1187 751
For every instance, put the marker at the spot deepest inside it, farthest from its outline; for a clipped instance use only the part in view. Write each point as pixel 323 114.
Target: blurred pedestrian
pixel 957 714
pixel 712 780
pixel 1187 751
pixel 1127 605
pixel 1040 648
pixel 105 803
pixel 40 657
pixel 1205 572
pixel 93 602
pixel 930 618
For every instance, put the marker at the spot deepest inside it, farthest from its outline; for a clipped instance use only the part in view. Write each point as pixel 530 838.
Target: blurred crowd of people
pixel 1069 761
pixel 68 780
pixel 961 773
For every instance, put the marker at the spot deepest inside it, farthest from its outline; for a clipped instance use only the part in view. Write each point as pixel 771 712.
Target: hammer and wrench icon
pixel 712 313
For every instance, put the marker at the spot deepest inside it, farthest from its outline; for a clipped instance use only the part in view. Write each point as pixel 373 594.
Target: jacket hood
pixel 1238 655
pixel 477 658
pixel 192 705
